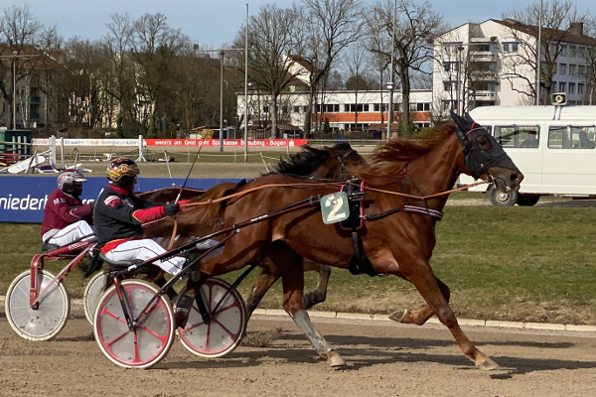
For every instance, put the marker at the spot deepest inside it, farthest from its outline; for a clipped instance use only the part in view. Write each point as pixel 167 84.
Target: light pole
pixel 390 84
pixel 459 84
pixel 14 89
pixel 538 55
pixel 221 71
pixel 14 56
pixel 222 53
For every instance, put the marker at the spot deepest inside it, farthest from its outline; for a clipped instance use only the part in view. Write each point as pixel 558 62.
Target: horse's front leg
pixel 420 317
pixel 290 265
pixel 419 273
pixel 319 294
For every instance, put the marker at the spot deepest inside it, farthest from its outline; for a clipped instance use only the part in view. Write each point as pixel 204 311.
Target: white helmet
pixel 66 181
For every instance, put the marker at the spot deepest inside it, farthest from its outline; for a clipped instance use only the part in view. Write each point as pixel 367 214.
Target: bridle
pixel 477 160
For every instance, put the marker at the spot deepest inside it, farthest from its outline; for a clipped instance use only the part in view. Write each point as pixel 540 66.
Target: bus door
pixel 523 143
pixel 569 161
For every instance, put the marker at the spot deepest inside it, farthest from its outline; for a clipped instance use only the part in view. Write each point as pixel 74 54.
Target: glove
pixel 171 208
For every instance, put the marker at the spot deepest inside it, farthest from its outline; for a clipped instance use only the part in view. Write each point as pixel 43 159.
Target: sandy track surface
pixel 384 359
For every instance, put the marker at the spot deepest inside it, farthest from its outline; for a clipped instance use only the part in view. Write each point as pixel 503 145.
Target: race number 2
pixel 334 207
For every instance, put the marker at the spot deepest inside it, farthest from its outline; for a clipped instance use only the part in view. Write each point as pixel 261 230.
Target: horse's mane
pixel 306 161
pixel 390 158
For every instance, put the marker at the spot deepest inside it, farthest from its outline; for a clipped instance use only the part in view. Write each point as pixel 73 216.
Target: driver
pixel 65 217
pixel 119 215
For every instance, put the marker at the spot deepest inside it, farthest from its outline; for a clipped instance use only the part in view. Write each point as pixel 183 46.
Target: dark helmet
pixel 70 182
pixel 122 172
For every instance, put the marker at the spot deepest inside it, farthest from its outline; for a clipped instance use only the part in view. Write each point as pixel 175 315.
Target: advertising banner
pixel 227 142
pixel 178 142
pixel 22 199
pixel 90 142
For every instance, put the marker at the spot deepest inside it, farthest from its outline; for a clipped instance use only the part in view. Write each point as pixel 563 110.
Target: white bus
pixel 552 145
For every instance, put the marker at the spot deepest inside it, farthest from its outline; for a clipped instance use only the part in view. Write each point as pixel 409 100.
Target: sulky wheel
pixel 93 292
pixel 51 315
pixel 500 197
pixel 226 327
pixel 149 341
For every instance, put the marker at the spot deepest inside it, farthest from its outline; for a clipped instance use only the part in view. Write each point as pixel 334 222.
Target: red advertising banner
pixel 226 142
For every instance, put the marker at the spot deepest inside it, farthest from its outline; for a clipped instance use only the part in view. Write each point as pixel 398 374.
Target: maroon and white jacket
pixel 62 210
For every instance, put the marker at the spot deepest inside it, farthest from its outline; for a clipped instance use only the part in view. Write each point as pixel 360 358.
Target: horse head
pixel 485 158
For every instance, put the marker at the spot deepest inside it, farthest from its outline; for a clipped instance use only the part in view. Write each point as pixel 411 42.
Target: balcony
pixel 483 56
pixel 484 75
pixel 485 95
pixel 35 99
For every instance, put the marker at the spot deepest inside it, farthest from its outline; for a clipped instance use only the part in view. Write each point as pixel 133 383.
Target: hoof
pixel 399 315
pixel 487 365
pixel 335 360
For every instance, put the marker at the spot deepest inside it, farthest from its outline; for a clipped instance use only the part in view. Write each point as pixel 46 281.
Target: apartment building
pixel 493 63
pixel 38 101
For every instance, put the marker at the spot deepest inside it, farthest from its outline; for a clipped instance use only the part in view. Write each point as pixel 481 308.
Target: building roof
pixel 572 35
pixel 285 127
pixel 30 57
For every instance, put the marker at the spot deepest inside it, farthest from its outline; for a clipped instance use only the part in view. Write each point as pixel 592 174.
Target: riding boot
pixel 182 305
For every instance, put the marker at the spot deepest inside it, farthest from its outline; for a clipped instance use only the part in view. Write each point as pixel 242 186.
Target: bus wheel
pixel 500 197
pixel 527 200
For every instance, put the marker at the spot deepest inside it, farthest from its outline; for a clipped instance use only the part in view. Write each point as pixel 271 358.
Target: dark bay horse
pixel 322 165
pixel 395 241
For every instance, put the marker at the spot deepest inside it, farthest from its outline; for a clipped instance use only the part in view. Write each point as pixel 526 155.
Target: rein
pixel 299 185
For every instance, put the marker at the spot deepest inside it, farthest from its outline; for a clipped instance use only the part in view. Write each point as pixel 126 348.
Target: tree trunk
pixel 405 99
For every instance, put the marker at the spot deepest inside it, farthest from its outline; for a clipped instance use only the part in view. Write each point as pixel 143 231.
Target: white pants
pixel 70 233
pixel 145 249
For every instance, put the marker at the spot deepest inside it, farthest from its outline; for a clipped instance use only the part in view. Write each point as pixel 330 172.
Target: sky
pixel 214 23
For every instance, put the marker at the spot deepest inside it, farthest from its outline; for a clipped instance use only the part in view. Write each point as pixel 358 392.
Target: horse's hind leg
pixel 290 265
pixel 319 294
pixel 419 317
pixel 421 275
pixel 268 276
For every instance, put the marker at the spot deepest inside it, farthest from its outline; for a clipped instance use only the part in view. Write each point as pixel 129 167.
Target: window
pixel 510 46
pixel 572 51
pixel 518 136
pixel 571 88
pixel 572 70
pixel 581 70
pixel 353 107
pixel 580 88
pixel 450 66
pixel 564 50
pixel 562 68
pixel 571 137
pixel 385 107
pixel 562 86
pixel 18 108
pixel 296 109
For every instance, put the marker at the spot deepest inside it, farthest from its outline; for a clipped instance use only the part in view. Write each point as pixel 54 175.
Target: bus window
pixel 518 136
pixel 571 137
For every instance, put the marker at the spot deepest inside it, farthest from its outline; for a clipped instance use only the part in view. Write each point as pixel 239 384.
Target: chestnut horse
pixel 402 175
pixel 328 164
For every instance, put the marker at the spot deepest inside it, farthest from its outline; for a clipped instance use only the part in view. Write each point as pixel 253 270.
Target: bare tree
pixel 356 62
pixel 331 26
pixel 589 55
pixel 155 48
pixel 118 73
pixel 276 42
pixel 415 27
pixel 21 30
pixel 557 16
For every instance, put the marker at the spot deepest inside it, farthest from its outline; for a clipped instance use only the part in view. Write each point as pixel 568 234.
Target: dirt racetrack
pixel 384 359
